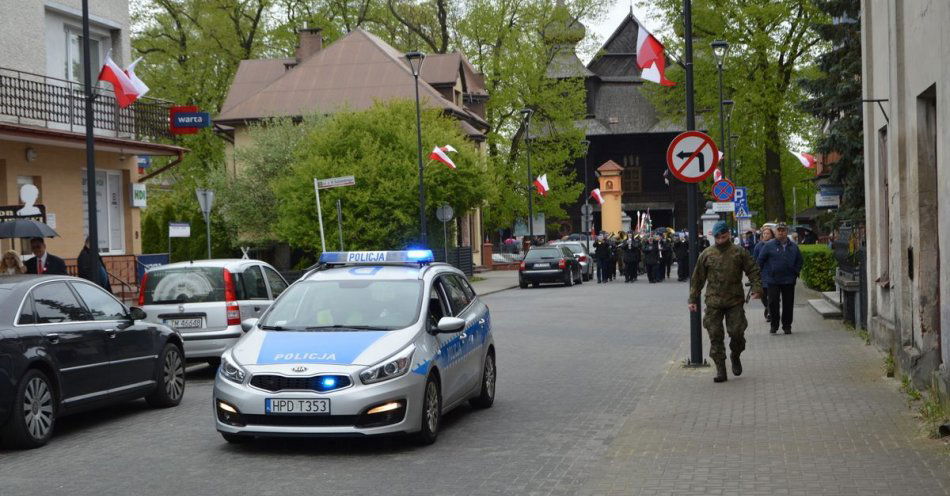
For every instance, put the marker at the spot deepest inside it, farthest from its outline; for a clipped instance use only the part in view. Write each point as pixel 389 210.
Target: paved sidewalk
pixel 495 281
pixel 811 415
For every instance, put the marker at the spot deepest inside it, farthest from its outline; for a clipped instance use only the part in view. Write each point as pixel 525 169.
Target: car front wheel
pixel 34 412
pixel 431 412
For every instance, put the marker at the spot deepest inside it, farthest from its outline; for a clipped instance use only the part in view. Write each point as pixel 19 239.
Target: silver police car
pixel 368 343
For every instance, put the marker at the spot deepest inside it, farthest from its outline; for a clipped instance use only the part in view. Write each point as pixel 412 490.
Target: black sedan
pixel 66 345
pixel 552 263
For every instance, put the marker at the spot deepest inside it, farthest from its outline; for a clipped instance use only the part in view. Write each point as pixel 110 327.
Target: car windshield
pixel 184 285
pixel 539 253
pixel 346 305
pixel 575 248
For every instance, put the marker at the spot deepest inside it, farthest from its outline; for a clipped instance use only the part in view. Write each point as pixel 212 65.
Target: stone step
pixel 832 297
pixel 825 309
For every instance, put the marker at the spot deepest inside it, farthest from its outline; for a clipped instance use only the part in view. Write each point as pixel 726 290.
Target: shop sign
pixel 139 195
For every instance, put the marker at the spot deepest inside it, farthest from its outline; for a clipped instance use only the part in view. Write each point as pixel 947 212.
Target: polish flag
pixel 125 90
pixel 595 194
pixel 651 58
pixel 541 183
pixel 807 160
pixel 140 88
pixel 439 153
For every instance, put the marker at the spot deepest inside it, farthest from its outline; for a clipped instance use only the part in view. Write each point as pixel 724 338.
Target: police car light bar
pixel 376 257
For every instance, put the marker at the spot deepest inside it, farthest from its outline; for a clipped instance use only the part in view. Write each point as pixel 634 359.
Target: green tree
pixel 771 46
pixel 835 99
pixel 152 239
pixel 373 145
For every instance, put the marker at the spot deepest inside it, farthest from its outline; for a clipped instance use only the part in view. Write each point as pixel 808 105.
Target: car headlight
pixel 231 371
pixel 392 367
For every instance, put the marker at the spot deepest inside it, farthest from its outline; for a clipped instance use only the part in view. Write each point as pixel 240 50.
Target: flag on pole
pixel 808 161
pixel 541 183
pixel 666 177
pixel 595 194
pixel 124 88
pixel 651 58
pixel 439 153
pixel 140 88
pixel 717 174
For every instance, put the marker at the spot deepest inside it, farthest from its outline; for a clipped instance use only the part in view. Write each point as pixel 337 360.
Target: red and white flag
pixel 140 88
pixel 808 161
pixel 439 153
pixel 541 183
pixel 651 58
pixel 595 194
pixel 125 90
pixel 717 174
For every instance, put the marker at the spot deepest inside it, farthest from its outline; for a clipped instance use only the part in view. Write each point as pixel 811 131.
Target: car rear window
pixel 186 285
pixel 575 248
pixel 540 253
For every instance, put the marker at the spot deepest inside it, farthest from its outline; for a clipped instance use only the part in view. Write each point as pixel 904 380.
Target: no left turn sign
pixel 692 156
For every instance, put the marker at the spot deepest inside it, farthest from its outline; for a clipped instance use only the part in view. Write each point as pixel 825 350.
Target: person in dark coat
pixel 767 235
pixel 602 257
pixel 48 263
pixel 631 258
pixel 681 251
pixel 703 243
pixel 667 255
pixel 781 263
pixel 651 258
pixel 90 267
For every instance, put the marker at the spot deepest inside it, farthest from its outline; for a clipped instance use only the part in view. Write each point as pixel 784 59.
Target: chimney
pixel 310 42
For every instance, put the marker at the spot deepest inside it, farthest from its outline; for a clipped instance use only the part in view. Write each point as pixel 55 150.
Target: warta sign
pixel 187 119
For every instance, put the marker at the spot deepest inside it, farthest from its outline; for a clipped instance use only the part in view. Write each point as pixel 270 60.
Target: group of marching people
pixel 632 254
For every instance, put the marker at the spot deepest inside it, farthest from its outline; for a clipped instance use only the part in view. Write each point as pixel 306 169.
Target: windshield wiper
pixel 166 302
pixel 273 328
pixel 340 327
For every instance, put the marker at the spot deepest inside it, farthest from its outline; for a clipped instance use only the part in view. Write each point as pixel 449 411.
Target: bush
pixel 820 266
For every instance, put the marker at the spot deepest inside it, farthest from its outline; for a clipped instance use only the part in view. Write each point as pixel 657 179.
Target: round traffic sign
pixel 723 190
pixel 692 156
pixel 444 213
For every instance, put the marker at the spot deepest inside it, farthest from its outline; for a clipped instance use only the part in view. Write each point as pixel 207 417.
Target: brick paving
pixel 592 400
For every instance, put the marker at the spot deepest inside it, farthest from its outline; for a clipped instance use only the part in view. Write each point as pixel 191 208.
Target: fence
pixel 460 258
pixel 38 100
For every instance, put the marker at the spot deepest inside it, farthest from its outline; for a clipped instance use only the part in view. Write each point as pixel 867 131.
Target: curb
pixel 486 293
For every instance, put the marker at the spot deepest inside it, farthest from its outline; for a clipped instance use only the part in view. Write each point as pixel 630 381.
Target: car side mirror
pixel 136 313
pixel 248 324
pixel 450 324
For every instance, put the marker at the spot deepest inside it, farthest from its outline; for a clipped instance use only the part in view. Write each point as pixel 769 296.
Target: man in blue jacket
pixel 781 264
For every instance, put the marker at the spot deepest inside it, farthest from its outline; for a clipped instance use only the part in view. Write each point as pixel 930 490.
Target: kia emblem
pixel 299 368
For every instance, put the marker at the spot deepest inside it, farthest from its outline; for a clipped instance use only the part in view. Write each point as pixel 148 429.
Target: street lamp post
pixel 90 136
pixel 415 63
pixel 695 317
pixel 720 48
pixel 728 105
pixel 527 113
pixel 585 210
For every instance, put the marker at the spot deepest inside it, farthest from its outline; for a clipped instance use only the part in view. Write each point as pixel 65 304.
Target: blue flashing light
pixel 375 257
pixel 328 382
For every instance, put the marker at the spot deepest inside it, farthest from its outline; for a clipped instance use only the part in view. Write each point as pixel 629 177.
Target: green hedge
pixel 818 273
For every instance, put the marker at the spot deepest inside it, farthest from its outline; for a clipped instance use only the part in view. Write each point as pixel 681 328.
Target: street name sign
pixel 692 156
pixel 724 206
pixel 336 182
pixel 179 230
pixel 723 190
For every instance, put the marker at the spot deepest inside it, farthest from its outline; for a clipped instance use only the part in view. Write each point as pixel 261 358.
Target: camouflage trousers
pixel 736 324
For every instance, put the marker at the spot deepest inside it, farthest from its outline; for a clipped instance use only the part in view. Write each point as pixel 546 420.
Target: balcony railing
pixel 36 100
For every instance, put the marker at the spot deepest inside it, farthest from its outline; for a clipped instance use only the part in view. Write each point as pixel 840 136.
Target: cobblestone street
pixel 592 400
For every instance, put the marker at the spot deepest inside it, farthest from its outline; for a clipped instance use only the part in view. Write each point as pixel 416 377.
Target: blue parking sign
pixel 742 202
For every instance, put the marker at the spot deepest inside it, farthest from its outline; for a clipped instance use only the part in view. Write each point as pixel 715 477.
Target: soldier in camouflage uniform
pixel 722 265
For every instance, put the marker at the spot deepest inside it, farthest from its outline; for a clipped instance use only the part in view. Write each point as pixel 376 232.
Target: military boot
pixel 736 364
pixel 720 370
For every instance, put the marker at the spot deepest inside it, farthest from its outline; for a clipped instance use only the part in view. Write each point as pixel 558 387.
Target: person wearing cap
pixel 720 268
pixel 781 263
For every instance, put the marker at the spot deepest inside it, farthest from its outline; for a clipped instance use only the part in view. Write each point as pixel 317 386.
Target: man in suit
pixel 43 262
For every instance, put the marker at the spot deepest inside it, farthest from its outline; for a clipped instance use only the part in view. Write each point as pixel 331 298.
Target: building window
pixel 74 57
pixel 631 179
pixel 110 209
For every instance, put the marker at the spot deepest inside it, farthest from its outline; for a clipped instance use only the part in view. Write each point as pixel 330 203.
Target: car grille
pixel 301 420
pixel 319 383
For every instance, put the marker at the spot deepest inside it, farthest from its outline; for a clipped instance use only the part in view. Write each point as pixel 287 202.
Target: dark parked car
pixel 67 345
pixel 552 263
